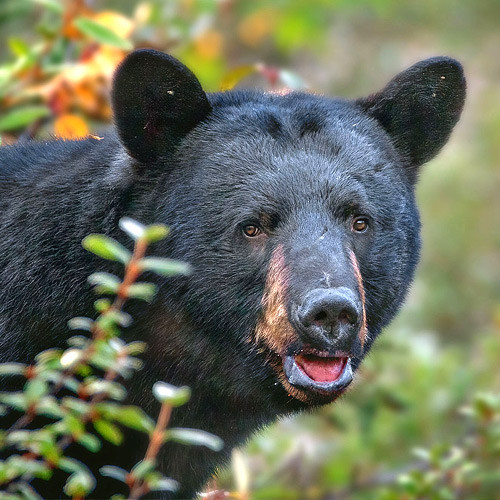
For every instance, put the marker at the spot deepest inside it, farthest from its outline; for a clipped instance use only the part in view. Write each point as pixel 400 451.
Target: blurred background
pixel 423 420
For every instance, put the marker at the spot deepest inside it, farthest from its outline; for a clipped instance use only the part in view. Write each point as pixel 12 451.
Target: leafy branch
pixel 91 370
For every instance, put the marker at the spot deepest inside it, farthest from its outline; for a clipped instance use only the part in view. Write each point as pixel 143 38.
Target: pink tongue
pixel 321 369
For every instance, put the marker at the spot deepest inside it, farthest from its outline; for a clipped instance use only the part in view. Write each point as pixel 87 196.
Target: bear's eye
pixel 360 224
pixel 252 230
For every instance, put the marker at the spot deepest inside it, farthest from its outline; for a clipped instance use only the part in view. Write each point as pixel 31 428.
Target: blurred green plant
pixel 411 395
pixel 59 83
pixel 92 369
pixel 410 388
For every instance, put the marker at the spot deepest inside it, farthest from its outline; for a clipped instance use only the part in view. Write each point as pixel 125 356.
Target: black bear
pixel 297 213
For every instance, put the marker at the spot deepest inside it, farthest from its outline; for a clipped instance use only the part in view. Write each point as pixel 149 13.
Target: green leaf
pixel 15 437
pixel 76 405
pixel 194 437
pixel 119 318
pixel 163 484
pixel 165 267
pixel 22 117
pixel 50 451
pixel 106 247
pixel 71 465
pixel 114 472
pixel 136 347
pixel 135 418
pixel 49 358
pixel 79 484
pixel 109 431
pixel 90 442
pixel 134 229
pixel 102 305
pixel 48 407
pixel 12 369
pixel 141 291
pixel 170 394
pixel 18 47
pixel 16 400
pixel 105 282
pixel 70 358
pixel 79 341
pixel 74 426
pixel 53 5
pixel 80 323
pixel 113 390
pixel 142 468
pixel 101 34
pixel 156 232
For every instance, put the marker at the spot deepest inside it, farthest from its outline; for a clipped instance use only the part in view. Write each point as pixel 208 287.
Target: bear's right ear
pixel 156 101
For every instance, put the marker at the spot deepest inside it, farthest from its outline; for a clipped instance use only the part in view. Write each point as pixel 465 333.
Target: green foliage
pixel 101 34
pixel 445 347
pixel 22 117
pixel 94 369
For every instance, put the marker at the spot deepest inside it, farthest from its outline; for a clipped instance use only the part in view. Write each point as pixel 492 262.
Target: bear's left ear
pixel 156 101
pixel 420 107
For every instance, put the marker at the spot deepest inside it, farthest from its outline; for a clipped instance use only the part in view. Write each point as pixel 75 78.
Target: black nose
pixel 332 310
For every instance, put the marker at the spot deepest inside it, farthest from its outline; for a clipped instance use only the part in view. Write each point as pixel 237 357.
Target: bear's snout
pixel 330 317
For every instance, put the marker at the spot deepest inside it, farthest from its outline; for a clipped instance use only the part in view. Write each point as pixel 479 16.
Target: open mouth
pixel 322 374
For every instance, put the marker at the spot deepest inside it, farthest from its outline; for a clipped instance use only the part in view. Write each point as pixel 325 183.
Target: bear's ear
pixel 419 107
pixel 156 101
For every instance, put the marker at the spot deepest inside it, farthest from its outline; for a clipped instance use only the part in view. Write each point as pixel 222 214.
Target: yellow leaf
pixel 143 12
pixel 233 77
pixel 70 127
pixel 120 25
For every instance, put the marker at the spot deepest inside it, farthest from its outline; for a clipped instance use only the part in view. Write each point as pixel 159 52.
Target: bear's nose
pixel 331 310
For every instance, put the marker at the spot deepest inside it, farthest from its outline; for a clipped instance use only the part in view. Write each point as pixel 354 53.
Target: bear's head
pixel 296 211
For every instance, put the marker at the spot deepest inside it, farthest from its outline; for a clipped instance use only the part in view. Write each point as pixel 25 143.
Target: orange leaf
pixel 209 44
pixel 257 26
pixel 70 127
pixel 74 9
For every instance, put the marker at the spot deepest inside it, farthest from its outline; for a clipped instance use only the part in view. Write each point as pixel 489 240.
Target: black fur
pixel 300 165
